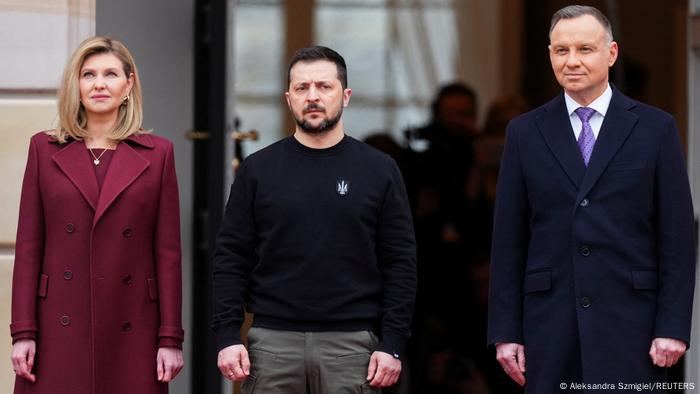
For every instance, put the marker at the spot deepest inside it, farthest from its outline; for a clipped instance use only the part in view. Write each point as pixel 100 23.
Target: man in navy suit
pixel 593 259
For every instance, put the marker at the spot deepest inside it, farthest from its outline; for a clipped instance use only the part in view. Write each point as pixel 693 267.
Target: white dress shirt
pixel 600 105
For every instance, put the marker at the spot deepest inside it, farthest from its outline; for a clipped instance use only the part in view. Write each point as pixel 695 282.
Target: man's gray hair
pixel 574 11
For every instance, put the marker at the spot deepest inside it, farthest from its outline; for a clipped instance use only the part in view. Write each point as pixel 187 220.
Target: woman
pixel 96 293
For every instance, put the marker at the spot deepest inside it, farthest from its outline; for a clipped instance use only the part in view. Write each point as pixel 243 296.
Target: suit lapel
pixel 126 166
pixel 75 163
pixel 616 127
pixel 555 127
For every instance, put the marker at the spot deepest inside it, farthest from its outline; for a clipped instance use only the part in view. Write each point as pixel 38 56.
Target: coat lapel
pixel 126 166
pixel 618 124
pixel 555 127
pixel 74 162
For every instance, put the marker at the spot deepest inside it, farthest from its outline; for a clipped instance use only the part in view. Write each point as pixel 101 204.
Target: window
pixel 397 52
pixel 258 70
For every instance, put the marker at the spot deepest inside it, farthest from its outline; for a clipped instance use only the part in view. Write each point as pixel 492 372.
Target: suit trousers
pixel 291 362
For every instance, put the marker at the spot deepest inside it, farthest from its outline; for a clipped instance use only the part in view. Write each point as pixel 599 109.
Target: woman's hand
pixel 23 352
pixel 169 363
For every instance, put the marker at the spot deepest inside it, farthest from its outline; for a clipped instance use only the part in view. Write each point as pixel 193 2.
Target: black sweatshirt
pixel 317 240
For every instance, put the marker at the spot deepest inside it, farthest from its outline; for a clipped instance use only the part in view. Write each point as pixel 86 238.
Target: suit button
pixel 128 279
pixel 67 274
pixel 585 250
pixel 126 326
pixel 584 203
pixel 585 302
pixel 70 227
pixel 65 320
pixel 127 233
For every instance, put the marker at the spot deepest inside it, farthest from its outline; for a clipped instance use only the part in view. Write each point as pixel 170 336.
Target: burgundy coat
pixel 97 275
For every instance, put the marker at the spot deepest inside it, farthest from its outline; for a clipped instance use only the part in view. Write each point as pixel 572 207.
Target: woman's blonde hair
pixel 72 119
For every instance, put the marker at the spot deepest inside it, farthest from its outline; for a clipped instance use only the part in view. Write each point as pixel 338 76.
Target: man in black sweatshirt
pixel 317 242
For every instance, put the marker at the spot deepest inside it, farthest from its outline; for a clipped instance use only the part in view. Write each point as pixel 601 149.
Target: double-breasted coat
pixel 97 274
pixel 590 264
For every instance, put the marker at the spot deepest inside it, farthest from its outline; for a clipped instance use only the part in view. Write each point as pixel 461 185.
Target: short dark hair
pixel 315 53
pixel 574 11
pixel 452 89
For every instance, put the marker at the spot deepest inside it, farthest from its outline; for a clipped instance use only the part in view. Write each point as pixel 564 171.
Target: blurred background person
pixel 452 186
pixel 436 180
pixel 488 147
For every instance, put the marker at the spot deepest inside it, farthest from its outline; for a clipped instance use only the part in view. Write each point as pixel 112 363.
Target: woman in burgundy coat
pixel 96 292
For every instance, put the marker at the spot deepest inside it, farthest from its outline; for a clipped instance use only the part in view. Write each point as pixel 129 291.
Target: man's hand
pixel 665 352
pixel 511 356
pixel 234 363
pixel 168 363
pixel 23 352
pixel 384 369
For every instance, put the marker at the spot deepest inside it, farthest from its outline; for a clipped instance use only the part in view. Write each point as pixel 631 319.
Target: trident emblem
pixel 342 188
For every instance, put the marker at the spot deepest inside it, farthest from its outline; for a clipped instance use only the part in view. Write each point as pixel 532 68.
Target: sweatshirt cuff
pixel 228 336
pixel 392 344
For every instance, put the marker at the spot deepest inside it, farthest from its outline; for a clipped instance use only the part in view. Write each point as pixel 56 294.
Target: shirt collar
pixel 600 105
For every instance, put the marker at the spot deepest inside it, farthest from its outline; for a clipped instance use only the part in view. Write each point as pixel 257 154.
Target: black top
pixel 317 240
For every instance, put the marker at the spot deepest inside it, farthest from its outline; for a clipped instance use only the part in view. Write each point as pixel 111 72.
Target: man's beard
pixel 324 126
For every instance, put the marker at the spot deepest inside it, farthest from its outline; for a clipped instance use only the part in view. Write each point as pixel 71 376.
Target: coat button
pixel 584 203
pixel 128 279
pixel 126 326
pixel 127 233
pixel 585 302
pixel 65 320
pixel 585 250
pixel 70 227
pixel 67 274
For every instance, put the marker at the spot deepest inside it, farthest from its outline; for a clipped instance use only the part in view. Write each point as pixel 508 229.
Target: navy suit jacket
pixel 590 264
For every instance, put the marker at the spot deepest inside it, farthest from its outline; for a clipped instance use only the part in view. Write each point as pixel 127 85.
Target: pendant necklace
pixel 97 158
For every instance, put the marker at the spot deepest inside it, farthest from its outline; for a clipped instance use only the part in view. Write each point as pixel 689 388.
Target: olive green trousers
pixel 292 362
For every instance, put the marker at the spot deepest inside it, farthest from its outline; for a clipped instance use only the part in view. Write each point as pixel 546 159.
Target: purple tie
pixel 586 139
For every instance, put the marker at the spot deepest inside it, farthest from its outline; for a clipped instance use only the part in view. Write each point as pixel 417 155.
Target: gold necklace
pixel 97 158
